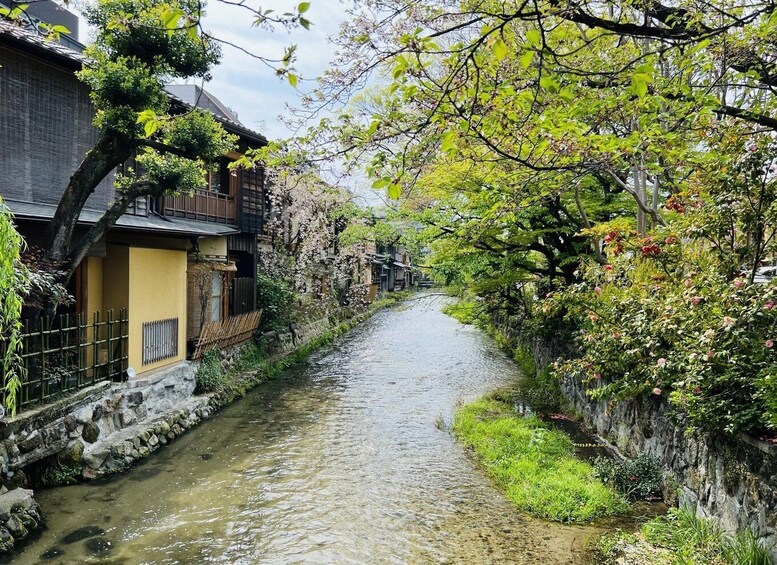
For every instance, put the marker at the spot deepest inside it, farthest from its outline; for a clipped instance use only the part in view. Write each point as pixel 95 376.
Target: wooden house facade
pixel 171 264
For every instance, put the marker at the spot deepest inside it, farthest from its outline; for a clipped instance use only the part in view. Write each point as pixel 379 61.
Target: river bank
pixel 335 460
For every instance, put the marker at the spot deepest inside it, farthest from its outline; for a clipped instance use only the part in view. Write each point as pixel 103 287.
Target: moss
pixel 534 465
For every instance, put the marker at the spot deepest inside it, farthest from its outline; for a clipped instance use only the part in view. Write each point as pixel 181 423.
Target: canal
pixel 343 460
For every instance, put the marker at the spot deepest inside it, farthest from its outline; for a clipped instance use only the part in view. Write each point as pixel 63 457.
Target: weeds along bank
pixel 724 485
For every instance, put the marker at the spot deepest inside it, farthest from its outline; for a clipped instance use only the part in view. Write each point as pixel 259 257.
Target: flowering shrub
pixel 667 323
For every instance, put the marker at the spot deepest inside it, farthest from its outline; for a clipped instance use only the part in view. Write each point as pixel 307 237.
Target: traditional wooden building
pixel 169 266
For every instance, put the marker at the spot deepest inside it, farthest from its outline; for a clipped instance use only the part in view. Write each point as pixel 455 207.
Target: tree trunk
pixel 108 153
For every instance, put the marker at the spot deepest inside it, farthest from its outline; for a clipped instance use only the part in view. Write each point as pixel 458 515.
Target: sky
pixel 245 84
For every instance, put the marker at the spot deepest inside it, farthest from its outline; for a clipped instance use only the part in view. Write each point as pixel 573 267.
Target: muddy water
pixel 339 461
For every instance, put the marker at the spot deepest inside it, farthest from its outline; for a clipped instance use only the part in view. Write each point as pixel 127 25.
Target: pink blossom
pixel 696 300
pixel 608 267
pixel 598 289
pixel 661 362
pixel 710 354
pixel 657 391
pixel 697 390
pixel 593 317
pixel 688 283
pixel 709 334
pixel 739 283
pixel 728 321
pixel 768 344
pixel 616 335
pixel 597 376
pixel 769 305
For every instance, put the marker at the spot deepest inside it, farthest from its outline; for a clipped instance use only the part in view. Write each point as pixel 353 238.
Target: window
pixel 216 293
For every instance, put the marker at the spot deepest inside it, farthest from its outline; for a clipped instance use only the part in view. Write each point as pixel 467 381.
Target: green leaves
pixel 150 122
pixel 303 7
pixel 500 49
pixel 640 80
pixel 550 84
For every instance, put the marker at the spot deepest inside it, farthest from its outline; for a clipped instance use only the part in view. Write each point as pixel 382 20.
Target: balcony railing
pixel 203 205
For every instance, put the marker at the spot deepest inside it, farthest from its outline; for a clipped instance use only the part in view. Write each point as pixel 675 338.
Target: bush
pixel 681 538
pixel 209 374
pixel 463 311
pixel 672 326
pixel 535 465
pixel 275 298
pixel 640 478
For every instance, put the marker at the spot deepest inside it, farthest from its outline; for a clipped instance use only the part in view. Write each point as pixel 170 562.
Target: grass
pixel 680 538
pixel 534 465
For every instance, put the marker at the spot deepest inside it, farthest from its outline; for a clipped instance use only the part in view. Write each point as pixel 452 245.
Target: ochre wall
pixel 157 291
pixel 94 287
pixel 115 276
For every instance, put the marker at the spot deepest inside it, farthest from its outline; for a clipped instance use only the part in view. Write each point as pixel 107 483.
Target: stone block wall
pixel 73 427
pixel 732 482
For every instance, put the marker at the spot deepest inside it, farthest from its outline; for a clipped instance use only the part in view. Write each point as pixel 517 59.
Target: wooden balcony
pixel 203 205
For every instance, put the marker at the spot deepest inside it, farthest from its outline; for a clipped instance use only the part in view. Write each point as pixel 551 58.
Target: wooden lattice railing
pixel 227 332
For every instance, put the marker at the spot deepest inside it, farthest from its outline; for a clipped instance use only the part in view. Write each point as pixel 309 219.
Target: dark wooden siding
pixel 45 130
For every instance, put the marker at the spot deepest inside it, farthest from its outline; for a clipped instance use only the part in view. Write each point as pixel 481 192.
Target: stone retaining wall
pixel 73 427
pixel 733 483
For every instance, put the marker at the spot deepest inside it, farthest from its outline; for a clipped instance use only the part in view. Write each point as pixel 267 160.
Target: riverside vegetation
pixel 534 464
pixel 537 469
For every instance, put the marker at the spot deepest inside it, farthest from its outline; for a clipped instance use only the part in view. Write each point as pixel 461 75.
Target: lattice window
pixel 160 340
pixel 251 200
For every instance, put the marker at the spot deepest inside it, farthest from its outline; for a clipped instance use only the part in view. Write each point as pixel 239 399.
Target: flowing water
pixel 342 460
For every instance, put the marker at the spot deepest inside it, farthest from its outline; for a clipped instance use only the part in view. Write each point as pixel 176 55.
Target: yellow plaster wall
pixel 115 277
pixel 94 286
pixel 157 291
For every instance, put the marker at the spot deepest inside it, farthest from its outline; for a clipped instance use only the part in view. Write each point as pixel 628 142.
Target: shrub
pixel 674 327
pixel 639 478
pixel 209 374
pixel 463 311
pixel 275 298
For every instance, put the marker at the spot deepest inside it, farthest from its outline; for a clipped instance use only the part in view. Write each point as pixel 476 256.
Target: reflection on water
pixel 339 461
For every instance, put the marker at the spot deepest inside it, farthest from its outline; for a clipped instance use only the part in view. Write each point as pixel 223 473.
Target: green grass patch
pixel 534 465
pixel 680 538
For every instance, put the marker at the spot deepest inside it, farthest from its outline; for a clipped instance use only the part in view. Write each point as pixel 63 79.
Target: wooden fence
pixel 227 332
pixel 67 353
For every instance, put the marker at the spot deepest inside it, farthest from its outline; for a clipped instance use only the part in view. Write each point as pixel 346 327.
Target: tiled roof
pixel 15 33
pixel 156 224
